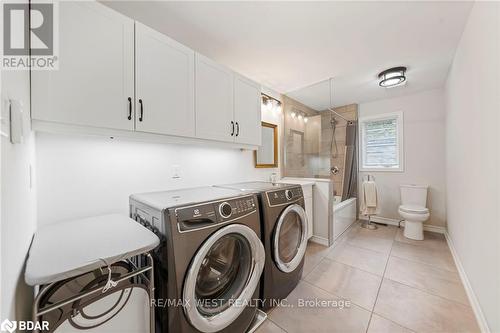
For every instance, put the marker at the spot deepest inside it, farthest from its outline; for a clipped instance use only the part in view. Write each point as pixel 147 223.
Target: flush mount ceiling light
pixel 392 77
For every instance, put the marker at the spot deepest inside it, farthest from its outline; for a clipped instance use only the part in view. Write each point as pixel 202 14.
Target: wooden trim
pixel 275 134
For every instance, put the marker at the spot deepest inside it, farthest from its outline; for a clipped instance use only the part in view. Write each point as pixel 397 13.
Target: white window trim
pixel 400 136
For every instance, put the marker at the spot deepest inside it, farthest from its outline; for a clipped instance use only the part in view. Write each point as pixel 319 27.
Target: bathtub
pixel 344 214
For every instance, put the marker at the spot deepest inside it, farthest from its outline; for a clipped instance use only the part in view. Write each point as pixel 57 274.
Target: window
pixel 381 139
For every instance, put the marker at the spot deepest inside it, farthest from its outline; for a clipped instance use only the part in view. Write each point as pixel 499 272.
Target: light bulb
pixel 293 114
pixel 300 117
pixel 269 104
pixel 305 119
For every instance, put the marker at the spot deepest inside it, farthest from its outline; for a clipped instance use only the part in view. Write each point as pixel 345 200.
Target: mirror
pixel 267 154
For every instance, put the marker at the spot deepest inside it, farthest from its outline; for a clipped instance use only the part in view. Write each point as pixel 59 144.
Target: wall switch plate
pixel 175 172
pixel 16 121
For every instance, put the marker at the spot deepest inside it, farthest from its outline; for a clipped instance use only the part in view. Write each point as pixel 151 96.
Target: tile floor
pixel 393 284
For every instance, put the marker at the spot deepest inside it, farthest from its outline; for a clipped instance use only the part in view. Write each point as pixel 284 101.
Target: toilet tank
pixel 414 195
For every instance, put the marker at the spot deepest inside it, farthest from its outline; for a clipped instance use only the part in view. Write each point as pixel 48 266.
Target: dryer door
pixel 223 277
pixel 290 238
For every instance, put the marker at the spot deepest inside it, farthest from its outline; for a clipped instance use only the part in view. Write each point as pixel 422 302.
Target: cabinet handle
pixel 232 126
pixel 142 110
pixel 129 108
pixel 237 129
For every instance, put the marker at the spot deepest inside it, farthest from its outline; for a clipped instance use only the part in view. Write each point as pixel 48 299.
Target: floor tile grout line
pixel 272 321
pixel 380 286
pixel 426 264
pixel 423 263
pixel 428 292
pixel 364 248
pixel 361 269
pixel 351 266
pixel 392 321
pixel 338 296
pixel 313 267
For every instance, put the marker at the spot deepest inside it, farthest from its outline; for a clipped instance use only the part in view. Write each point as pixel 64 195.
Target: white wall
pixel 83 176
pixel 18 201
pixel 472 150
pixel 424 150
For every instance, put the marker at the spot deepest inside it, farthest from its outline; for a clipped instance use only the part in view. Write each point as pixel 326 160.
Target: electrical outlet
pixel 175 172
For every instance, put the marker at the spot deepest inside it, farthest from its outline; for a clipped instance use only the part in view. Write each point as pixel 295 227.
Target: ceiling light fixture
pixel 392 77
pixel 270 103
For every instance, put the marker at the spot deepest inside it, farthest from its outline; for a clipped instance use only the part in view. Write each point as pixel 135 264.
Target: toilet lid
pixel 414 209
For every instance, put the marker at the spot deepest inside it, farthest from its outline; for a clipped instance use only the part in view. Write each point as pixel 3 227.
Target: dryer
pixel 284 234
pixel 210 263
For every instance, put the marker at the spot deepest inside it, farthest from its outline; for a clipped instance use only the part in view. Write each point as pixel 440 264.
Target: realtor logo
pixel 28 27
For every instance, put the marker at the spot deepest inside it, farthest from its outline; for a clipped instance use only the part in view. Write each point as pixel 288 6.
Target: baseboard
pixel 481 320
pixel 319 240
pixel 381 219
pixel 434 228
pixel 396 222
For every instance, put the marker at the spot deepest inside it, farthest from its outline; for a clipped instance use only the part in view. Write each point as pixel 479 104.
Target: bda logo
pixel 8 326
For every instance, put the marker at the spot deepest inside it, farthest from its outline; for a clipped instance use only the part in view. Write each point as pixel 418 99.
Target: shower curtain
pixel 350 187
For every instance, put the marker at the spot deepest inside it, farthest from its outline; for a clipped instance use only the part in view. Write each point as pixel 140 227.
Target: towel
pixel 369 200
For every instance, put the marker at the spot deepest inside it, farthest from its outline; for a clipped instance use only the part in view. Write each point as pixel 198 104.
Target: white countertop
pixel 298 181
pixel 67 249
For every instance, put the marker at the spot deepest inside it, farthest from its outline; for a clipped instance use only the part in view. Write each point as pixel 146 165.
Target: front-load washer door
pixel 223 277
pixel 290 238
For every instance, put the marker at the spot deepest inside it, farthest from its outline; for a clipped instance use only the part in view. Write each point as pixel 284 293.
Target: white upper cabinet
pixel 214 101
pixel 117 74
pixel 247 111
pixel 164 78
pixel 95 78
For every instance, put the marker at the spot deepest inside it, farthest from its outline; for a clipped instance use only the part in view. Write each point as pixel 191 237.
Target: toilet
pixel 413 210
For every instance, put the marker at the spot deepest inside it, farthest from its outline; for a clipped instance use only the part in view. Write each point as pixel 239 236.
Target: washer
pixel 210 263
pixel 284 233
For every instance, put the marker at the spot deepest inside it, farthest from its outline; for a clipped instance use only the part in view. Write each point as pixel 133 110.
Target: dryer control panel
pixel 198 216
pixel 281 197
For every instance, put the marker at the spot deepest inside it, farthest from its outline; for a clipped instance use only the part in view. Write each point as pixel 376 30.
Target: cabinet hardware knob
pixel 129 108
pixel 141 116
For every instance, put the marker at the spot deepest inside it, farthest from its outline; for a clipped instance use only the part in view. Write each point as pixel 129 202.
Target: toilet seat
pixel 412 209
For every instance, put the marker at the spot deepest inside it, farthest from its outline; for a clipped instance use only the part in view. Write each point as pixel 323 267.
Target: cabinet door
pixel 96 70
pixel 214 101
pixel 164 76
pixel 247 111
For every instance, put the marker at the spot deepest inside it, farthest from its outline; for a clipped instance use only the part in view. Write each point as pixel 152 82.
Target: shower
pixel 333 124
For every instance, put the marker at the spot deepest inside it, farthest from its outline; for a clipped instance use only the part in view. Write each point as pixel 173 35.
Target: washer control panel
pixel 202 215
pixel 280 197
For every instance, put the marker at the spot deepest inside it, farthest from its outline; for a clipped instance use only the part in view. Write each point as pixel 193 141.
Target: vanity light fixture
pixel 392 77
pixel 270 103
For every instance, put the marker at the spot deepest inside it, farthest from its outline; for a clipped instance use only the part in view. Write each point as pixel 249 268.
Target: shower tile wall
pixel 327 152
pixel 302 140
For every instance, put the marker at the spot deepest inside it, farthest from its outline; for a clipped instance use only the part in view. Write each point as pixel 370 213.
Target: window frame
pixel 399 137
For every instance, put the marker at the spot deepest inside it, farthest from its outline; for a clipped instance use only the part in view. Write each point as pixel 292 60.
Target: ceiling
pixel 287 46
